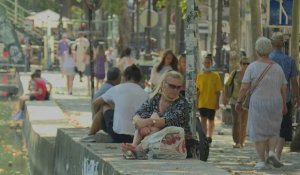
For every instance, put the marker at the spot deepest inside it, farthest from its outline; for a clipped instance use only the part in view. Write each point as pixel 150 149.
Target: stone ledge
pixel 106 159
pixel 42 119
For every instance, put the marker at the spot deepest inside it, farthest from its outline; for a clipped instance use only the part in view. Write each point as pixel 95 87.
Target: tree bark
pixel 219 35
pixel 256 29
pixel 168 14
pixel 295 31
pixel 295 145
pixel 234 22
pixel 213 26
pixel 124 29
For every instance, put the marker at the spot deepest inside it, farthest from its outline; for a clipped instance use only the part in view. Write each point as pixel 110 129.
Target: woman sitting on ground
pixel 165 108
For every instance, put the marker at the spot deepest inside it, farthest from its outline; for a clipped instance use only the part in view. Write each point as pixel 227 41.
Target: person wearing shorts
pixel 209 86
pixel 290 70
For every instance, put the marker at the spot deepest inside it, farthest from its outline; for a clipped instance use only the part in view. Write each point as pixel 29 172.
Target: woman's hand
pixel 145 131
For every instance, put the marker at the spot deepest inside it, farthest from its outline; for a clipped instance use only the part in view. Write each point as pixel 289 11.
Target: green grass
pixel 13 155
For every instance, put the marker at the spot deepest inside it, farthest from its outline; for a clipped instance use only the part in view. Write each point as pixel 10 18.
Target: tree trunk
pixel 124 29
pixel 255 7
pixel 295 145
pixel 234 22
pixel 213 26
pixel 295 31
pixel 178 30
pixel 219 35
pixel 168 14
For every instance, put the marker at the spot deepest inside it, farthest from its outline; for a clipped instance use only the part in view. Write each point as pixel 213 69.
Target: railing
pixel 17 14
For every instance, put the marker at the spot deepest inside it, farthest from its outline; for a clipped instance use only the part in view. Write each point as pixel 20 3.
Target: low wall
pixel 42 118
pixel 54 149
pixel 77 158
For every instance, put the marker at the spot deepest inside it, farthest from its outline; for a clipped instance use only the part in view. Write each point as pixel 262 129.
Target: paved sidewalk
pixel 222 155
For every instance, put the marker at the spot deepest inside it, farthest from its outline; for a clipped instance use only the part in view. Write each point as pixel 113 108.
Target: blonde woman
pixel 165 108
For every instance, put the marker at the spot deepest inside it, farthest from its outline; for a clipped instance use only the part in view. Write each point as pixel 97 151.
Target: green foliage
pixel 182 5
pixel 113 6
pixel 38 5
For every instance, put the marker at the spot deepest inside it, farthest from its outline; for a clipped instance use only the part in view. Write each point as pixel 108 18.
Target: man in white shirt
pixel 118 106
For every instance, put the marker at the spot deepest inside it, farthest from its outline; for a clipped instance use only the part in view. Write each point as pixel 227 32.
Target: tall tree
pixel 168 21
pixel 219 44
pixel 234 22
pixel 256 29
pixel 295 145
pixel 213 24
pixel 120 9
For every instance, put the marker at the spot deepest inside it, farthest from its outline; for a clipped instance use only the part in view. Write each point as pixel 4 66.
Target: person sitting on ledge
pixel 117 107
pixel 38 91
pixel 113 78
pixel 165 108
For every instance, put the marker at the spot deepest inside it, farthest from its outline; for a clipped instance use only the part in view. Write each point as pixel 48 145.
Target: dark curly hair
pixel 133 73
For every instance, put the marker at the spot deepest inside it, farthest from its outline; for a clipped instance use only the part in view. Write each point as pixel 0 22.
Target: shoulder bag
pixel 246 98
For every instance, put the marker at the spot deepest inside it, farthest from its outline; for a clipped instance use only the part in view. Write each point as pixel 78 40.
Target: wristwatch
pixel 153 122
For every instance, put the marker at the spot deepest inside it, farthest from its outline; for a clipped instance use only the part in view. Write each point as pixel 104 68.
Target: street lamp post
pixel 91 5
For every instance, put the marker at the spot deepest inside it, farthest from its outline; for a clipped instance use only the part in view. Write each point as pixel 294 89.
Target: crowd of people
pixel 126 113
pixel 271 81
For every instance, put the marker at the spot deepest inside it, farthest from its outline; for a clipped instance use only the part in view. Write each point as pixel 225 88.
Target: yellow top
pixel 208 85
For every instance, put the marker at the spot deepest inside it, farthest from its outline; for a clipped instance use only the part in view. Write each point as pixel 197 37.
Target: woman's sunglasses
pixel 245 64
pixel 172 86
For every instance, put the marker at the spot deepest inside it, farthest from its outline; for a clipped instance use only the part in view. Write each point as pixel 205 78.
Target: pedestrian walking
pixel 125 60
pixel 208 85
pixel 100 60
pixel 82 45
pixel 69 68
pixel 267 103
pixel 291 73
pixel 239 119
pixel 168 62
pixel 62 46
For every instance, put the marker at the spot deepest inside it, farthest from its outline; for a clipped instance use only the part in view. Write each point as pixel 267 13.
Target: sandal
pixel 130 153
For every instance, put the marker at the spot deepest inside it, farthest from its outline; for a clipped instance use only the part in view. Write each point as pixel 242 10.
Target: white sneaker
pixel 103 137
pixel 88 138
pixel 261 166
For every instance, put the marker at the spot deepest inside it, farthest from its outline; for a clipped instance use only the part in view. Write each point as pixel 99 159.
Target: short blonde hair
pixel 166 76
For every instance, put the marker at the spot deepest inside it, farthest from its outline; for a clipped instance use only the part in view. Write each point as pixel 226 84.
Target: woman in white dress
pixel 267 104
pixel 82 45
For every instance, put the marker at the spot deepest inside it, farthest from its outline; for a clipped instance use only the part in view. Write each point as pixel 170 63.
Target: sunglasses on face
pixel 245 64
pixel 172 86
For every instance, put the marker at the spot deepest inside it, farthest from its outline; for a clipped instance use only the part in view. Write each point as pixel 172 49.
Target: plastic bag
pixel 169 143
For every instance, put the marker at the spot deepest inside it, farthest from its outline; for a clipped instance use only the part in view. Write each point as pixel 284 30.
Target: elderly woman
pixel 165 108
pixel 239 119
pixel 168 62
pixel 267 103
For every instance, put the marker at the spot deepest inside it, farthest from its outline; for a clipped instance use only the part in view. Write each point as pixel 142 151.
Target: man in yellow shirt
pixel 209 86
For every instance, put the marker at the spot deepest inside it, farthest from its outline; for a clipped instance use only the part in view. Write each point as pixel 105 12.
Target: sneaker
pixel 88 138
pixel 273 160
pixel 261 166
pixel 103 137
pixel 17 116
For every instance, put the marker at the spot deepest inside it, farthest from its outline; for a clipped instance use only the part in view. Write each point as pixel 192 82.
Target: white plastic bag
pixel 169 143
